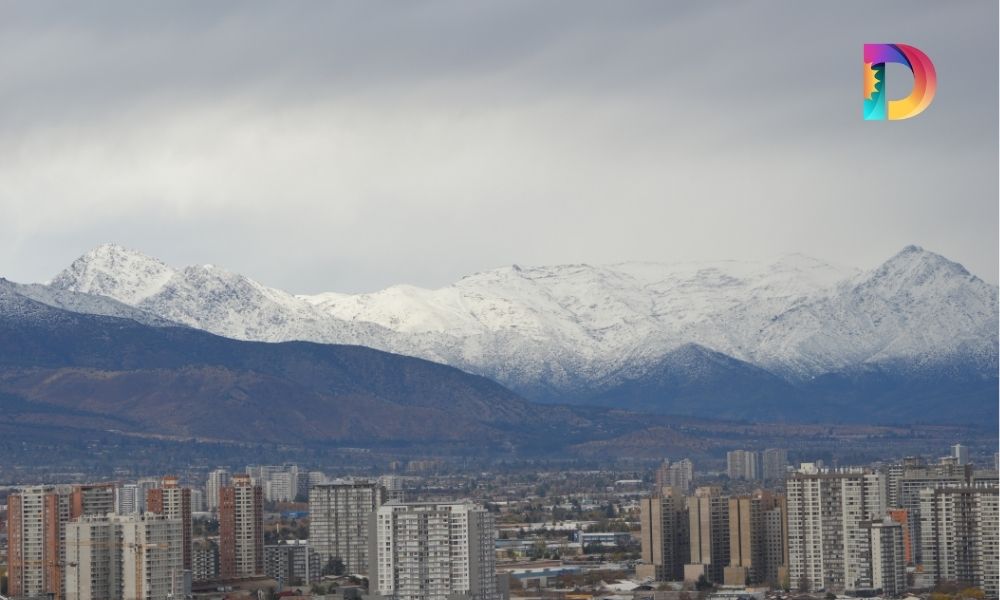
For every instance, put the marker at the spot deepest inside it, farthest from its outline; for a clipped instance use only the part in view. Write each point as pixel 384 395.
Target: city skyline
pixel 509 300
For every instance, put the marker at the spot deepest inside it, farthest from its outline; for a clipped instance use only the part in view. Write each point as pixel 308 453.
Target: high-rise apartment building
pixel 661 478
pixel 174 502
pixel 776 543
pixel 774 464
pixel 742 464
pixel 241 528
pixel 666 535
pixel 960 453
pixel 708 513
pixel 894 474
pixel 93 559
pixel 204 560
pixel 142 491
pixel 92 499
pixel 916 478
pixel 217 480
pixel 828 545
pixel 338 521
pixel 755 522
pixel 292 563
pixel 433 551
pixel 959 537
pixel 152 558
pixel 134 556
pixel 197 500
pixel 127 501
pixel 902 516
pixel 35 532
pixel 681 475
pixel 888 557
pixel 280 483
pixel 393 485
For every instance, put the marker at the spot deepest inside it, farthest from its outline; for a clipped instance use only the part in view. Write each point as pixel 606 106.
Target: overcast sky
pixel 348 146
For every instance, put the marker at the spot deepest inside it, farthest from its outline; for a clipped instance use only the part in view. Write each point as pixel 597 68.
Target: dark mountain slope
pixel 180 381
pixel 696 381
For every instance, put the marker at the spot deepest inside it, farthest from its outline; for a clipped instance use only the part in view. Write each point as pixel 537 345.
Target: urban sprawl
pixel 762 528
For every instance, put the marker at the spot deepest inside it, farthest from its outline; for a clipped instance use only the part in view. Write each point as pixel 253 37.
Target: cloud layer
pixel 335 146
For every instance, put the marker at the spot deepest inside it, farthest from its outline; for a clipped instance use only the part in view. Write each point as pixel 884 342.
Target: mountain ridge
pixel 586 334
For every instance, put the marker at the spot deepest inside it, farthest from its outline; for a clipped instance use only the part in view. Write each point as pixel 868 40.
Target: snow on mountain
pixel 115 272
pixel 75 302
pixel 550 331
pixel 207 298
pixel 917 306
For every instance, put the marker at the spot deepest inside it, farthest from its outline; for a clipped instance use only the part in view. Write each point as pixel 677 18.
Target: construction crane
pixel 140 557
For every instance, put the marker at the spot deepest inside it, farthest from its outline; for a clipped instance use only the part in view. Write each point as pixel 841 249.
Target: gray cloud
pixel 336 146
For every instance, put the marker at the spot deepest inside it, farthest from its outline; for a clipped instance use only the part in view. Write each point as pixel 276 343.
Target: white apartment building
pixel 338 521
pixel 829 546
pixel 131 557
pixel 152 558
pixel 743 464
pixel 93 559
pixel 959 538
pixel 433 551
pixel 961 454
pixel 127 500
pixel 280 483
pixel 888 558
pixel 680 475
pixel 217 480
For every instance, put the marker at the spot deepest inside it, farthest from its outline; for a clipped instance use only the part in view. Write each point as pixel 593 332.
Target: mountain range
pixel 795 338
pixel 139 375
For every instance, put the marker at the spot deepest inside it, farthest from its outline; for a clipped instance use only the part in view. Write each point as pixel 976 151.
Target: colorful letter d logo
pixel 876 106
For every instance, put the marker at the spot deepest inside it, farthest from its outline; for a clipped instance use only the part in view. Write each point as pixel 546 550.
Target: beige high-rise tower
pixel 758 540
pixel 665 535
pixel 708 511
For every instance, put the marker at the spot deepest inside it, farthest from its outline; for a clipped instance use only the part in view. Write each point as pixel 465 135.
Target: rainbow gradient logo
pixel 876 106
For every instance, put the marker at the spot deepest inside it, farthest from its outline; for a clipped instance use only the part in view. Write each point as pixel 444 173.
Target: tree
pixel 334 566
pixel 703 583
pixel 538 550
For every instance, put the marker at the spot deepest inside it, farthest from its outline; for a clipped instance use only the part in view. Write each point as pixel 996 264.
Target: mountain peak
pixel 115 271
pixel 915 264
pixel 113 251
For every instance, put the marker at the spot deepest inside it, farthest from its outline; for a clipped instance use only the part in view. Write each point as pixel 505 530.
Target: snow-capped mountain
pixel 562 332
